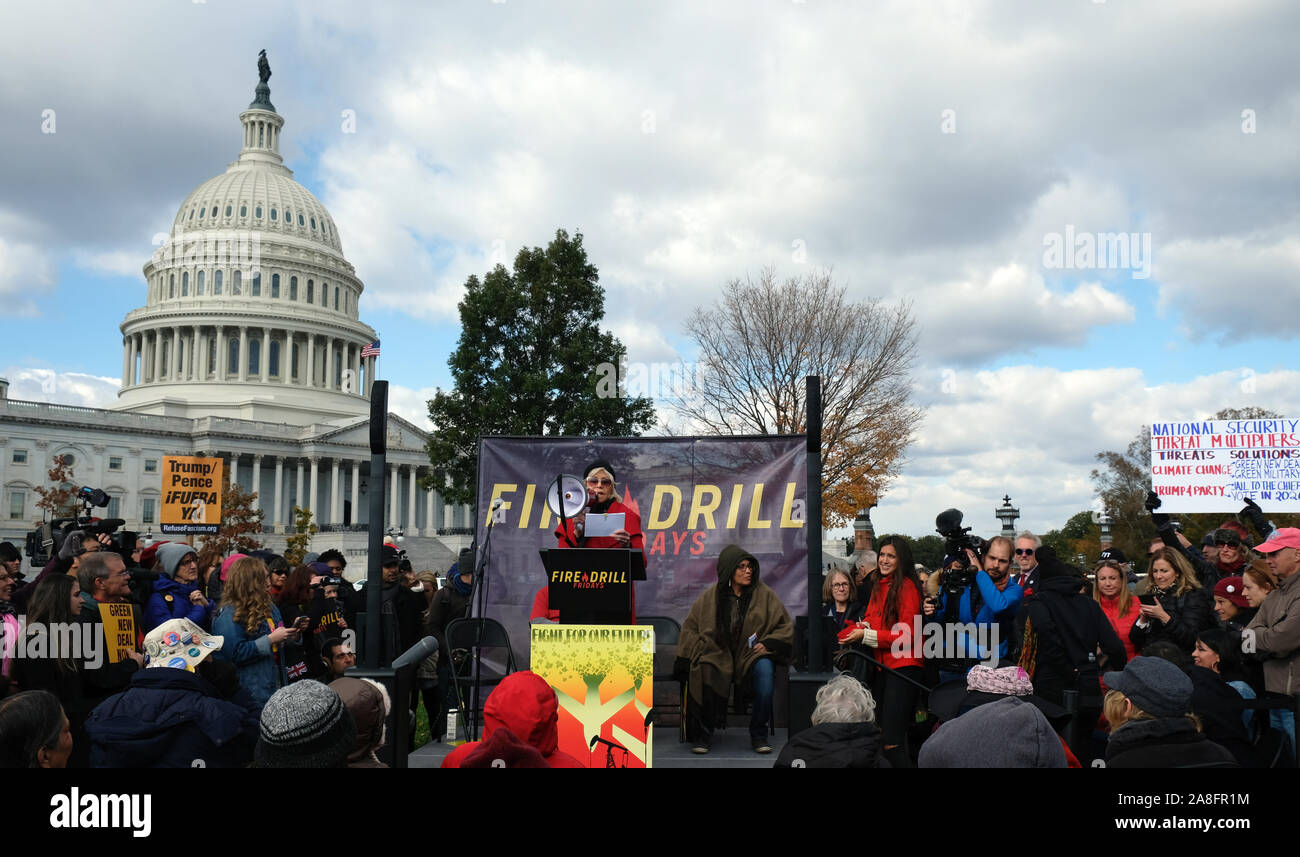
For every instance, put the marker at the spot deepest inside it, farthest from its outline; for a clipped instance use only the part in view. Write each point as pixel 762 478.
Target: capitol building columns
pixel 314 491
pixel 277 511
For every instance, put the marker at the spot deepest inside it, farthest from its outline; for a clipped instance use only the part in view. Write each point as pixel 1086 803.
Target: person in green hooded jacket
pixel 733 635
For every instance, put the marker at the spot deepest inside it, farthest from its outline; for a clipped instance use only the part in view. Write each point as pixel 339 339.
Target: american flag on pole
pixel 371 350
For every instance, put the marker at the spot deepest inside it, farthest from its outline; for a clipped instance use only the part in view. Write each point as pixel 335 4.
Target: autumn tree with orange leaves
pixel 59 498
pixel 760 341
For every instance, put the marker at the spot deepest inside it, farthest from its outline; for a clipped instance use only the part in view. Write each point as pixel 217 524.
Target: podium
pixel 592 586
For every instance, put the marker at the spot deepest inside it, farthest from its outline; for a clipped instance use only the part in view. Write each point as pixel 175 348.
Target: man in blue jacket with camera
pixel 981 626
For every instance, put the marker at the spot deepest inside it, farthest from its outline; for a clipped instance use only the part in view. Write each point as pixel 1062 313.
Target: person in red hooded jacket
pixel 522 707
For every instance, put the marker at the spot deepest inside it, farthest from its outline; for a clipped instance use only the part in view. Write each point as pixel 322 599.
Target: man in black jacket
pixel 106 588
pixel 449 603
pixel 400 610
pixel 1060 630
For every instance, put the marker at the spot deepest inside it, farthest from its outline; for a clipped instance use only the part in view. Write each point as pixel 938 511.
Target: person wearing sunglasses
pixel 604 499
pixel 734 633
pixel 1027 545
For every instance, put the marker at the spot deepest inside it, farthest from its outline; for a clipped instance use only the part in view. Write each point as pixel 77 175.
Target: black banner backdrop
pixel 695 496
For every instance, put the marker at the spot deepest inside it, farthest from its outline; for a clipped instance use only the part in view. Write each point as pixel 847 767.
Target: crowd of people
pixel 1157 671
pixel 1003 656
pixel 172 656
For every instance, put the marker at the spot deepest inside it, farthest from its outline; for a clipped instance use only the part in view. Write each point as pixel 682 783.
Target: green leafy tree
pixel 532 359
pixel 1080 535
pixel 296 545
pixel 928 551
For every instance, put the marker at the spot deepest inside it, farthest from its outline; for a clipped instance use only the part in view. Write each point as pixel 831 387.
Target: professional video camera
pixel 46 540
pixel 956 540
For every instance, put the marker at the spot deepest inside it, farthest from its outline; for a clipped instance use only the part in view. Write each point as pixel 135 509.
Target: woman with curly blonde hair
pixel 252 628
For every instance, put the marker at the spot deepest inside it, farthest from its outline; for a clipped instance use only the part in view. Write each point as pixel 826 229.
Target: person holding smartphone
pixel 1177 608
pixel 252 628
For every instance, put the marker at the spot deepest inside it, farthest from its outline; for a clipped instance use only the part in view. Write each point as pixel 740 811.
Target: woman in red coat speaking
pixel 601 486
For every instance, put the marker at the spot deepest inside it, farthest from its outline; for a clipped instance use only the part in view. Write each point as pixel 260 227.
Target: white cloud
pixel 969 320
pixel 1034 432
pixel 412 405
pixel 121 263
pixel 61 388
pixel 26 271
pixel 1232 287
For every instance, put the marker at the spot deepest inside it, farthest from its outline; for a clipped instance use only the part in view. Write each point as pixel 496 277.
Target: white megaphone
pixel 566 496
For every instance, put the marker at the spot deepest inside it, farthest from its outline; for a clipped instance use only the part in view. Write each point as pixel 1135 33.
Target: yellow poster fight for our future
pixel 191 495
pixel 602 677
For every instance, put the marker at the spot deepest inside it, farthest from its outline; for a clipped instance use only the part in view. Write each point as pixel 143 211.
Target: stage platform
pixel 730 750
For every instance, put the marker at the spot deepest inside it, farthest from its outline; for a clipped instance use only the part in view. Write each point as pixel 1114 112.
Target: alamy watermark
pixel 74 809
pixel 1100 250
pixel 77 641
pixel 674 381
pixel 940 640
pixel 235 248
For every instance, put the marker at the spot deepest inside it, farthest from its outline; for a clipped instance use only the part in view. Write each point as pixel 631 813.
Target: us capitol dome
pixel 249 349
pixel 252 307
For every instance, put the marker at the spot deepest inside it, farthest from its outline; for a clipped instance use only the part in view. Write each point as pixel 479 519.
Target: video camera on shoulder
pixel 47 540
pixel 956 541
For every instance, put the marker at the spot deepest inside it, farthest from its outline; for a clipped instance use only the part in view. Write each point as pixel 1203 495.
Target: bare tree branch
pixel 760 341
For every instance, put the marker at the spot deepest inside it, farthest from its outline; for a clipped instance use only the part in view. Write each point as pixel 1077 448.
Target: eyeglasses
pixel 1024 551
pixel 840 585
pixel 595 481
pixel 1219 544
pixel 744 563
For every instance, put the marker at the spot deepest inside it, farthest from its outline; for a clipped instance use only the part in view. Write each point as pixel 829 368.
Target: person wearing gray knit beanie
pixel 1009 733
pixel 304 725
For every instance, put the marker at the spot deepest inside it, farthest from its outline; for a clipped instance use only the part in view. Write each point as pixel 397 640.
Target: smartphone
pixel 1147 599
pixel 302 622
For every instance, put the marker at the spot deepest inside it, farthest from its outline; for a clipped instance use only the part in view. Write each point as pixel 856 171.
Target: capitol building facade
pixel 250 348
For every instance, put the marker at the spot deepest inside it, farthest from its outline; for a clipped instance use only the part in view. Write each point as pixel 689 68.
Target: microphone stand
pixel 478 597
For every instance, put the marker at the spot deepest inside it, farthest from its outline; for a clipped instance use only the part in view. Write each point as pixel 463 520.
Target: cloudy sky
pixel 930 151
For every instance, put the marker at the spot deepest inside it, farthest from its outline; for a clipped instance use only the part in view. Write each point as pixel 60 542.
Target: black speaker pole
pixel 816 655
pixel 375 534
pixel 479 600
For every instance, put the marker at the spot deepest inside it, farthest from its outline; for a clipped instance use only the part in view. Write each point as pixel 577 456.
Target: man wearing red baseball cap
pixel 1276 627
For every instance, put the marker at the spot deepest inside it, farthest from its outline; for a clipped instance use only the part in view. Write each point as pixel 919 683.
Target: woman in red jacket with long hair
pixel 893 612
pixel 1122 608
